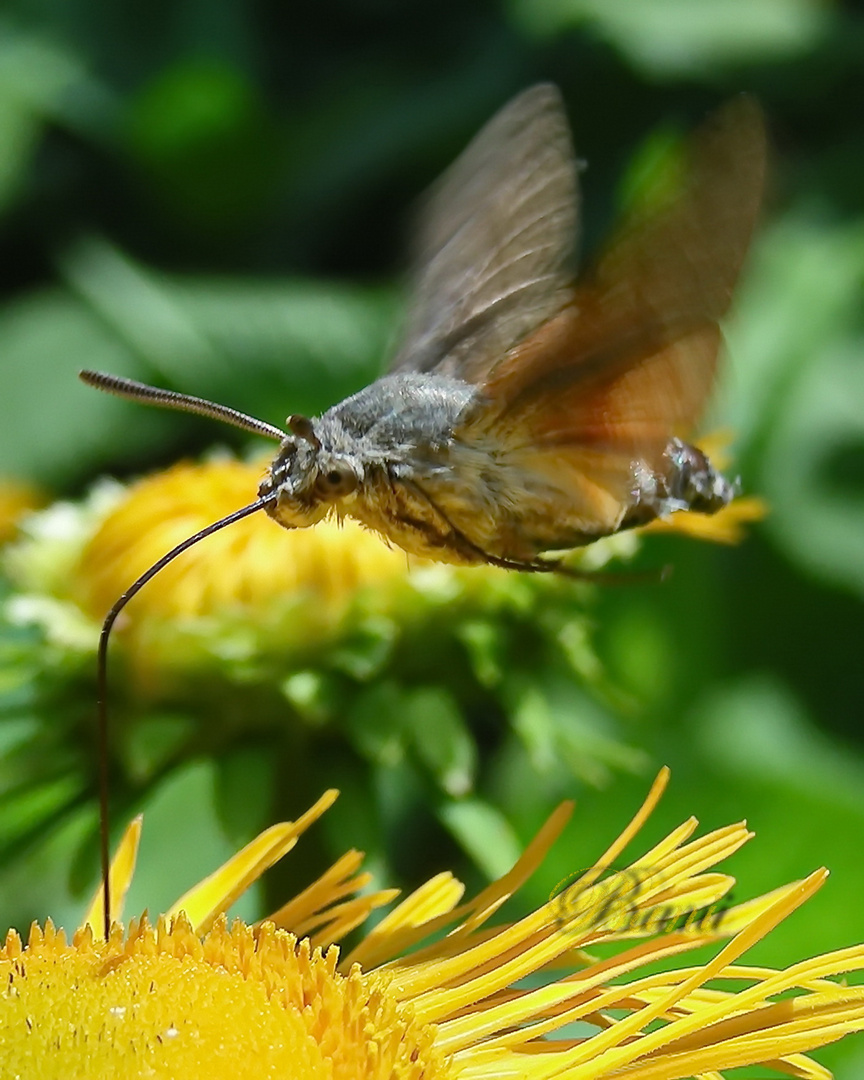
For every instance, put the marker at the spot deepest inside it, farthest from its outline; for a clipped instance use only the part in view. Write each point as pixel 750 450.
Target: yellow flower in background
pixel 255 603
pixel 192 998
pixel 727 526
pixel 251 590
pixel 254 565
pixel 251 564
pixel 16 500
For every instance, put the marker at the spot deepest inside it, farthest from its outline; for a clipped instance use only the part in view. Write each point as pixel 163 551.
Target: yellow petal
pixel 119 878
pixel 727 526
pixel 216 893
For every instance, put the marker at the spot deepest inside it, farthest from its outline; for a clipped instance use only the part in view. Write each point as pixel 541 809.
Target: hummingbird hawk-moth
pixel 529 410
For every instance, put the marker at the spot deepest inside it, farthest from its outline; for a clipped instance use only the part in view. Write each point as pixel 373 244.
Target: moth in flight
pixel 531 410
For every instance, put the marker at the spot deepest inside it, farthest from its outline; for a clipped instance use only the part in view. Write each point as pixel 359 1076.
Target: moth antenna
pixel 102 675
pixel 168 399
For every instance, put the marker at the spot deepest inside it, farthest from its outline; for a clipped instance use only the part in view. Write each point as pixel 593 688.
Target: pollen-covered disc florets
pixel 165 1003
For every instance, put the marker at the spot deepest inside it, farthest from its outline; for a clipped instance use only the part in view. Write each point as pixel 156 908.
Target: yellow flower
pixel 727 526
pixel 255 604
pixel 254 565
pixel 16 500
pixel 250 591
pixel 192 998
pixel 254 562
pixel 251 564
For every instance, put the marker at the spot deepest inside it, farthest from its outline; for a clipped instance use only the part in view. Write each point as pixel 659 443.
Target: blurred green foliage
pixel 213 197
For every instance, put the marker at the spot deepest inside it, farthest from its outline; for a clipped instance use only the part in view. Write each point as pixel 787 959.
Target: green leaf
pixel 532 721
pixel 564 731
pixel 291 345
pixel 245 791
pixel 291 335
pixel 687 38
pixel 757 729
pixel 801 265
pixel 484 833
pixel 37 884
pixel 760 756
pixel 152 742
pixel 52 428
pixel 203 137
pixel 486 642
pixel 19 132
pixel 269 348
pixel 34 805
pixel 375 723
pixel 441 738
pixel 17 732
pixel 40 82
pixel 48 80
pixel 812 468
pixel 313 696
pixel 366 649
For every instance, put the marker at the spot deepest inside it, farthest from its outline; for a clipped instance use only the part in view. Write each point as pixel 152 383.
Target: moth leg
pixel 538 566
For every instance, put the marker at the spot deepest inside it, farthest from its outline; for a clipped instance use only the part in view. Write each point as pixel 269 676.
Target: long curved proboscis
pixel 102 679
pixel 168 399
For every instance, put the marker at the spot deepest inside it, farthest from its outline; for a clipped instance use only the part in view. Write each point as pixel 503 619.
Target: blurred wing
pixel 496 242
pixel 630 361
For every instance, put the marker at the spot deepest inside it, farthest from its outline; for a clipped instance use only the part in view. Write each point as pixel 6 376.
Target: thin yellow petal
pixel 119 878
pixel 339 920
pixel 789 1026
pixel 602 1061
pixel 317 913
pixel 428 907
pixel 216 893
pixel 306 909
pixel 393 936
pixel 463 998
pixel 663 992
pixel 630 831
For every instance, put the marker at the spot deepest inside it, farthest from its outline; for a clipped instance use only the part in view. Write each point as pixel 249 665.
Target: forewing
pixel 630 361
pixel 495 242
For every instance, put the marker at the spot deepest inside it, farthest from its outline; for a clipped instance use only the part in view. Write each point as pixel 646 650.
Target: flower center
pixel 163 1003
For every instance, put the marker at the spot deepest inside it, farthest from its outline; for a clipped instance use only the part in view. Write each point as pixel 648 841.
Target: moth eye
pixel 337 481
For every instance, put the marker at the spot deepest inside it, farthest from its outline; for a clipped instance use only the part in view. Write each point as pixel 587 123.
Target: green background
pixel 214 196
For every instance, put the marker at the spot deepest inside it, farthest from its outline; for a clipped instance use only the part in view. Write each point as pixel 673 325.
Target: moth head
pixel 307 476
